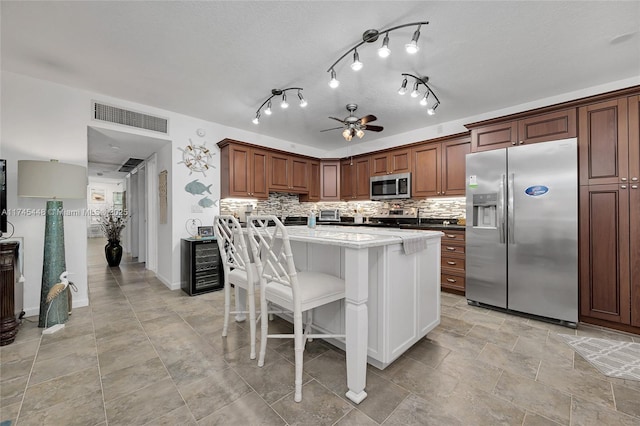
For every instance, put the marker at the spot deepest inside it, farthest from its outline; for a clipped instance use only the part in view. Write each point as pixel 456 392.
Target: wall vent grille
pixel 125 117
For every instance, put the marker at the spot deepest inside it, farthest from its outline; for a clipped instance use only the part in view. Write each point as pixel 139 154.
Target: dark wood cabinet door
pixel 634 206
pixel 279 172
pixel 380 164
pixel 257 174
pixel 347 176
pixel 400 160
pixel 239 171
pixel 494 136
pixel 453 166
pixel 313 194
pixel 547 127
pixel 604 253
pixel 390 162
pixel 426 174
pixel 362 179
pixel 330 181
pixel 603 143
pixel 299 175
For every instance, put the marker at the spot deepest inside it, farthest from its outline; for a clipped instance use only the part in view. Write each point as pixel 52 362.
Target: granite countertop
pixel 355 237
pixel 406 224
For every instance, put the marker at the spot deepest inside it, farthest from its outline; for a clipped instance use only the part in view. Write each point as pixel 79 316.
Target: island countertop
pixel 357 237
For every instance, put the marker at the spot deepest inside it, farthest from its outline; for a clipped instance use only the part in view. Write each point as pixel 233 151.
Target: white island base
pixel 392 298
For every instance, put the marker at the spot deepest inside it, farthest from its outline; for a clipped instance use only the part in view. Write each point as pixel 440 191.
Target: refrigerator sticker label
pixel 536 190
pixel 473 181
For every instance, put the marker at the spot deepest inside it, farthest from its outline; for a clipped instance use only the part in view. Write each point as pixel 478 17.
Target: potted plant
pixel 112 223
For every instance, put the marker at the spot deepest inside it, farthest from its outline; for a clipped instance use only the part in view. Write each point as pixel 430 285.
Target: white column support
pixel 356 271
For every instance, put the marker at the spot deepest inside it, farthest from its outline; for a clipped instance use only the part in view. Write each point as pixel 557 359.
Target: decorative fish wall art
pixel 195 188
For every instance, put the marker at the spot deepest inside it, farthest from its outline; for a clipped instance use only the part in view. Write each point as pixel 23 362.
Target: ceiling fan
pixel 354 126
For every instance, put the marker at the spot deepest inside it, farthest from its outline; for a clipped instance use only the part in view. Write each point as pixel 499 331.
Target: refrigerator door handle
pixel 510 211
pixel 501 208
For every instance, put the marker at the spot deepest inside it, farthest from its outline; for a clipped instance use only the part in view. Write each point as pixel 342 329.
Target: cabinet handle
pixel 450 262
pixel 513 143
pixel 623 179
pixel 635 179
pixel 623 186
pixel 451 280
pixel 451 248
pixel 521 142
pixel 450 236
pixel 634 186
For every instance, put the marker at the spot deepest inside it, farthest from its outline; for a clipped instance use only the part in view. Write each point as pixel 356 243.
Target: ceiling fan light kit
pixel 354 126
pixel 283 104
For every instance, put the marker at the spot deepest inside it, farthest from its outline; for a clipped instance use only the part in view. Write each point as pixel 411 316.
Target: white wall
pixel 110 186
pixel 41 120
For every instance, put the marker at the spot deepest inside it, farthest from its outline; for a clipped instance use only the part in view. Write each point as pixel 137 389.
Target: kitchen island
pixel 392 290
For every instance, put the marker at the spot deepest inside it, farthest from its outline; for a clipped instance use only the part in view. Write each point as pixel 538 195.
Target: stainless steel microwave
pixel 391 186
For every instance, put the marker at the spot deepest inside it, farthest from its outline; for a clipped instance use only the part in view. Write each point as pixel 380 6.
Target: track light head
pixel 303 102
pixel 384 50
pixel 415 93
pixel 412 47
pixel 356 65
pixel 403 88
pixel 424 100
pixel 284 104
pixel 268 110
pixel 256 119
pixel 432 110
pixel 333 83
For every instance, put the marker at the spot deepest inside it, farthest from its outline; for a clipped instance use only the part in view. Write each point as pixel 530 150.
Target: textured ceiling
pixel 218 61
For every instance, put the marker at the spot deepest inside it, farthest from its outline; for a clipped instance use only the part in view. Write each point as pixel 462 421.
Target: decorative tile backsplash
pixel 281 204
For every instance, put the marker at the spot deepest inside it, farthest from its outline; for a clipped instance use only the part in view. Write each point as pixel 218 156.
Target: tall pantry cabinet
pixel 609 146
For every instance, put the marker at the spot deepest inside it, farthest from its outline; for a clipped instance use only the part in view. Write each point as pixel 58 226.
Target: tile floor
pixel 141 354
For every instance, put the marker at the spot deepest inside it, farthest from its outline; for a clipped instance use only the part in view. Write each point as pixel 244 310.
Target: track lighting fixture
pixel 283 104
pixel 369 36
pixel 420 81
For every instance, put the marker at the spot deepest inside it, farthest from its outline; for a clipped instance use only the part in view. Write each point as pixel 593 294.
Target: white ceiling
pixel 218 61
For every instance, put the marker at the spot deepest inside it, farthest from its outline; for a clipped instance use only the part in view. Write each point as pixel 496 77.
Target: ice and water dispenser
pixel 485 210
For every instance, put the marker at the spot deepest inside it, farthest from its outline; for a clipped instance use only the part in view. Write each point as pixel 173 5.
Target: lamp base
pixel 52 266
pixel 53 329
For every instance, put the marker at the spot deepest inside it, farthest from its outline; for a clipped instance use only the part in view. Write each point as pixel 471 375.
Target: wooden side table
pixel 8 263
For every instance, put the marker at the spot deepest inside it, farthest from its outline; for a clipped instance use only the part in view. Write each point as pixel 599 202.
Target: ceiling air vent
pixel 129 118
pixel 130 164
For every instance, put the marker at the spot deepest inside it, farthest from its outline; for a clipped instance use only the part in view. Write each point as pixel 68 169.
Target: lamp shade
pixel 51 179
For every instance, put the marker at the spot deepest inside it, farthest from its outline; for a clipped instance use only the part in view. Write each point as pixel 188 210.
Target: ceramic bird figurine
pixel 54 292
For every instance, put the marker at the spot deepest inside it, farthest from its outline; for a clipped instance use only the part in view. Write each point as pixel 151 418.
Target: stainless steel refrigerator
pixel 522 229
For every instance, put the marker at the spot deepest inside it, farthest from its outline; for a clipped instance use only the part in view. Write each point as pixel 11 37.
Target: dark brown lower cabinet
pixel 609 256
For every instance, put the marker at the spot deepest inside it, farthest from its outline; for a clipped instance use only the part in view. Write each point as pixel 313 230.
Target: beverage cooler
pixel 201 266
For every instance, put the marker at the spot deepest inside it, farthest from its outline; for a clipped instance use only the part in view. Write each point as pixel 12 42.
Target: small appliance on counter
pixel 332 215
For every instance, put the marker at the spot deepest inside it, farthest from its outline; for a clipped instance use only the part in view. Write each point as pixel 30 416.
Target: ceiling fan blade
pixel 337 119
pixel 372 128
pixel 333 128
pixel 368 118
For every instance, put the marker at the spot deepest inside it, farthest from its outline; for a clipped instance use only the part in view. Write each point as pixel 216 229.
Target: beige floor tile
pixel 61 389
pixel 420 379
pixel 319 406
pixel 521 364
pixel 427 353
pixel 18 350
pixel 475 406
pixel 144 405
pixel 132 378
pixel 627 400
pixel 81 358
pixel 587 413
pixel 207 395
pixel 11 390
pixel 535 397
pixel 356 417
pixel 180 416
pixel 86 409
pixel 415 411
pixel 473 372
pixel 533 419
pixel 493 335
pixel 249 409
